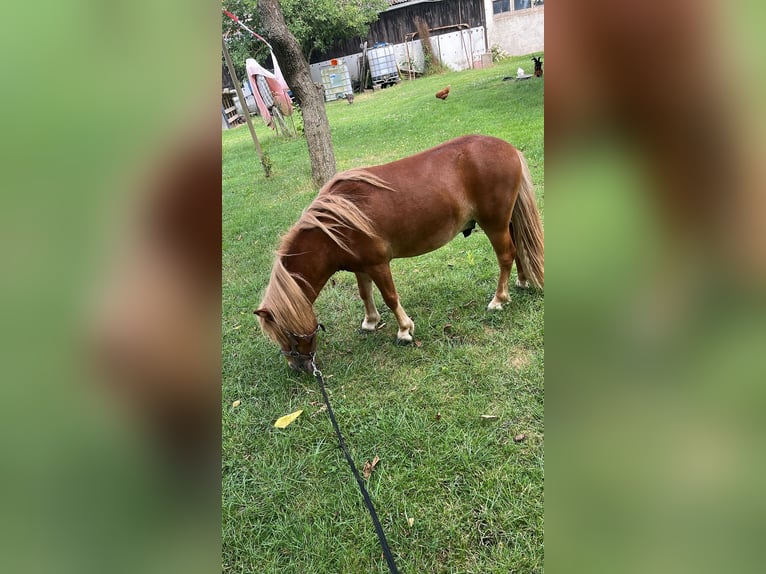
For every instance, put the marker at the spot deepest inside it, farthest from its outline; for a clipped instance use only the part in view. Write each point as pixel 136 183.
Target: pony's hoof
pixel 495 306
pixel 522 284
pixel 404 337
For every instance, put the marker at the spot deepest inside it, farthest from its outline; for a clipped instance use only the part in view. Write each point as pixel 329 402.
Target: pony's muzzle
pixel 298 361
pixel 300 364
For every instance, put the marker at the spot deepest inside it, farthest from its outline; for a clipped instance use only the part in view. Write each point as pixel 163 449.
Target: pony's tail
pixel 527 229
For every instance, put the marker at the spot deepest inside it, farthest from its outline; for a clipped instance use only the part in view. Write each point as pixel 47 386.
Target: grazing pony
pixel 363 218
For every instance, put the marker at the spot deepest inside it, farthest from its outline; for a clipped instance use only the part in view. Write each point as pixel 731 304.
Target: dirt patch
pixel 518 360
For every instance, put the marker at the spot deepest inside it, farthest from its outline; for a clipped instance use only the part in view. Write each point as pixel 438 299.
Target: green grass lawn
pixel 473 494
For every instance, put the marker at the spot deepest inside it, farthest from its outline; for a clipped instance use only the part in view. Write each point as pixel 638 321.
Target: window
pixel 500 6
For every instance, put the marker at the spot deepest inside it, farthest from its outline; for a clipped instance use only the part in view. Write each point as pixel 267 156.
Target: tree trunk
pixel 310 97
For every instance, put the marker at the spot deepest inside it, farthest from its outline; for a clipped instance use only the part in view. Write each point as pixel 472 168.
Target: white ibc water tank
pixel 383 64
pixel 336 81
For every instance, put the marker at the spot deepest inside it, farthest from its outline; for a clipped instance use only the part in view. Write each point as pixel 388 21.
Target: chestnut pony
pixel 363 218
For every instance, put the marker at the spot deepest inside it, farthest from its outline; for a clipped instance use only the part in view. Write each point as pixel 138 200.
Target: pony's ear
pixel 264 313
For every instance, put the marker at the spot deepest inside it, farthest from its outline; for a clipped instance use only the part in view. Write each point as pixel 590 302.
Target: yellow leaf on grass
pixel 282 422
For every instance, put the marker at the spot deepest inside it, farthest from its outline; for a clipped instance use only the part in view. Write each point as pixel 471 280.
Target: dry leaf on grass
pixel 236 403
pixel 519 437
pixel 321 409
pixel 282 422
pixel 410 521
pixel 369 467
pixel 489 417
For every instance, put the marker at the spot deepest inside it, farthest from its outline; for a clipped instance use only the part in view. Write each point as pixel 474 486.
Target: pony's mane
pixel 291 309
pixel 332 211
pixel 356 174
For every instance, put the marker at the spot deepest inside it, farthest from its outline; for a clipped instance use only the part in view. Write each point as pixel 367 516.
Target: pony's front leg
pixel 371 315
pixel 381 275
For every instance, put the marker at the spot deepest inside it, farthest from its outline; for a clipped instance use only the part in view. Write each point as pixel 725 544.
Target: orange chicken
pixel 442 94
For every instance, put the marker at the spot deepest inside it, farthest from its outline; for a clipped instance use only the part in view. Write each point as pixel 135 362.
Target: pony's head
pixel 298 348
pixel 287 318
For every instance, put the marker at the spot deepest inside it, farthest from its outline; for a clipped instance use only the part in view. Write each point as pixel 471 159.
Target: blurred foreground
pixel 655 297
pixel 111 288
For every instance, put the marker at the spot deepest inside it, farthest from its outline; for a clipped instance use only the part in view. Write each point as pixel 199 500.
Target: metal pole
pixel 242 101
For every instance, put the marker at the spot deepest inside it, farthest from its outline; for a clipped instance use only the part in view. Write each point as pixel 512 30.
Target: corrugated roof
pixel 399 3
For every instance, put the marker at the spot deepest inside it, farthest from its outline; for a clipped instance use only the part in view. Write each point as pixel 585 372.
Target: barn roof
pixel 401 3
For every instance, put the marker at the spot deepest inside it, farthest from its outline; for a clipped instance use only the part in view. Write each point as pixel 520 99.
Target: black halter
pixel 294 338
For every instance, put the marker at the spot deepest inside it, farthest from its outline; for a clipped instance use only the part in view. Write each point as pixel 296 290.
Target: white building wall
pixel 454 50
pixel 517 32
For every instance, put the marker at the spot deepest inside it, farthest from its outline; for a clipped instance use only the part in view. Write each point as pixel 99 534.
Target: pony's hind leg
pixel 381 275
pixel 521 280
pixel 371 315
pixel 505 251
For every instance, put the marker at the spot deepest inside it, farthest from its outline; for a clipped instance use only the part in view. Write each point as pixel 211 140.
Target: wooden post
pixel 245 111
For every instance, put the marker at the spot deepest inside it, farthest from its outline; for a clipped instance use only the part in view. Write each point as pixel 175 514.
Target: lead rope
pixel 367 501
